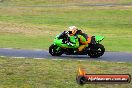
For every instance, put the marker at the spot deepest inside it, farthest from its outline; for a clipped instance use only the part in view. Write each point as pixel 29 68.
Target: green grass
pixel 20 41
pixel 44 73
pixel 33 25
pixel 36 27
pixel 56 2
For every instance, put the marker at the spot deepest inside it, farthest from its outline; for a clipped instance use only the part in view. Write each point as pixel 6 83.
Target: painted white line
pixel 101 61
pixel 51 59
pixel 38 58
pixel 57 59
pixel 2 56
pixel 38 50
pixel 120 62
pixel 18 57
pixel 81 60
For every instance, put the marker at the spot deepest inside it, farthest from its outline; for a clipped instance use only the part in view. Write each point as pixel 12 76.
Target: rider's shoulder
pixel 79 32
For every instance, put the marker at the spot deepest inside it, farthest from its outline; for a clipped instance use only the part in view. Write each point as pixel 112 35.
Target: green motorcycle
pixel 64 44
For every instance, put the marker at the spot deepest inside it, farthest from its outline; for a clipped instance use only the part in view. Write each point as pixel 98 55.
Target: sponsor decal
pixel 83 78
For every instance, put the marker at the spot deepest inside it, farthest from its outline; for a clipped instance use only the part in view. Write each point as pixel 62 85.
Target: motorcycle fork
pixel 58 48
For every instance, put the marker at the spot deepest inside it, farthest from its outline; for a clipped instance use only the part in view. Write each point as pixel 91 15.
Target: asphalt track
pixel 42 54
pixel 75 4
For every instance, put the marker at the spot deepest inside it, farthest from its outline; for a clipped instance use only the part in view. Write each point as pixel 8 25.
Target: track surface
pixel 108 56
pixel 75 4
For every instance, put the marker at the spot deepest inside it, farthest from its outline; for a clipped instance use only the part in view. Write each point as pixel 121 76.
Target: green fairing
pixel 64 44
pixel 59 42
pixel 99 38
pixel 75 41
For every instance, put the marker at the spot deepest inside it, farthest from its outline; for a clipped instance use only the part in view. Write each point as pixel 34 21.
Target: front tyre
pixel 96 50
pixel 55 50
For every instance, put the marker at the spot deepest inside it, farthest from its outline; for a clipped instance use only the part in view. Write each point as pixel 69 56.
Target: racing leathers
pixel 79 40
pixel 84 39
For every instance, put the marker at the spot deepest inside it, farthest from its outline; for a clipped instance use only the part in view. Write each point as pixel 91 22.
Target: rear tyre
pixel 54 52
pixel 96 50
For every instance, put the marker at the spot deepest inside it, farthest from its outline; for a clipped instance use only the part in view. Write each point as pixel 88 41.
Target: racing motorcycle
pixel 62 45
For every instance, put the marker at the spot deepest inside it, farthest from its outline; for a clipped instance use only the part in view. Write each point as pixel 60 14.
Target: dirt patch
pixel 26 29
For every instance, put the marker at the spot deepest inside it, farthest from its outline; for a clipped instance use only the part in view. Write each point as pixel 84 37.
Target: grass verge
pixel 64 2
pixel 45 73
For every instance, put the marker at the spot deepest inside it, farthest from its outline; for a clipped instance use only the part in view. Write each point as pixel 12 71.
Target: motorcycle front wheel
pixel 54 50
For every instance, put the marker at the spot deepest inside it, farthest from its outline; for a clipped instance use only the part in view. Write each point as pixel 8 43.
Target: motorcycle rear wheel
pixel 96 50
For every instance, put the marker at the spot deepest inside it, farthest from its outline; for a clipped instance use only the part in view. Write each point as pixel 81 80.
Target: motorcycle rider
pixel 72 30
pixel 83 38
pixel 66 36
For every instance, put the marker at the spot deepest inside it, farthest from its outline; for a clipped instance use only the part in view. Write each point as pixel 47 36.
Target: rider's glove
pixel 70 44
